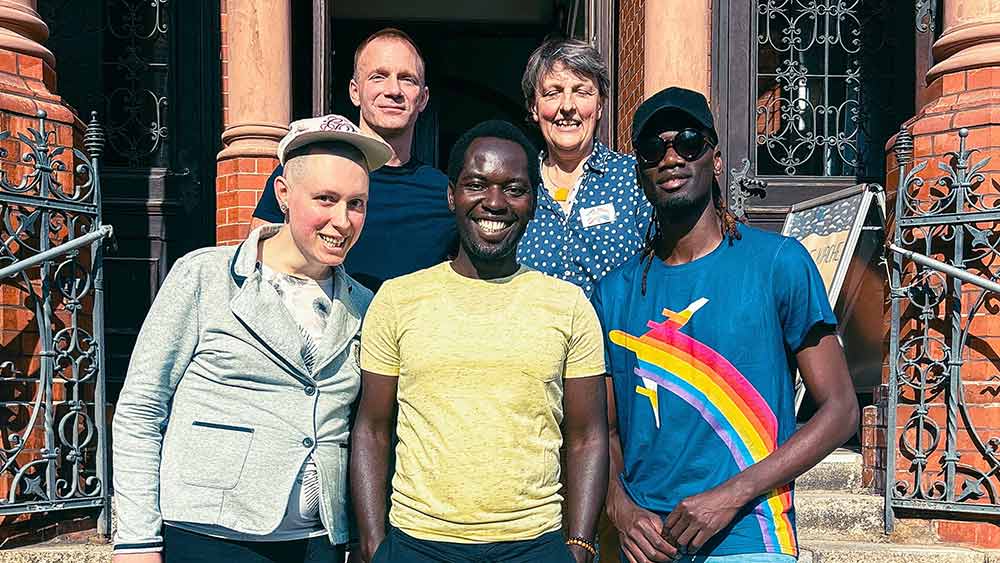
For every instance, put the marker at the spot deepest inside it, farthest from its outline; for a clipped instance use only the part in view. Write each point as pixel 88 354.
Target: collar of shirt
pixel 597 162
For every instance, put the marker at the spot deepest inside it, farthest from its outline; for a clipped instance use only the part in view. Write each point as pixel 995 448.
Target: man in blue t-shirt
pixel 705 330
pixel 408 226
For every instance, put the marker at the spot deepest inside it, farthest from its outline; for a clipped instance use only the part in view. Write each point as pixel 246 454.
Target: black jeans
pixel 182 546
pixel 401 548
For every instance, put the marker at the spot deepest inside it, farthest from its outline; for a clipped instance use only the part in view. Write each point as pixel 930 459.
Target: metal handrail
pixel 50 254
pixel 948 269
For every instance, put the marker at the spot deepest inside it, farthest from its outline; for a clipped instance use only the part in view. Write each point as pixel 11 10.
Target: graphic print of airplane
pixel 674 322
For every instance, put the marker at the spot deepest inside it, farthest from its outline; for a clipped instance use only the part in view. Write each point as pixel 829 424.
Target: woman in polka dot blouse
pixel 591 215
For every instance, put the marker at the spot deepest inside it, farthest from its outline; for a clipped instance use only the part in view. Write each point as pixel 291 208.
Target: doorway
pixel 475 52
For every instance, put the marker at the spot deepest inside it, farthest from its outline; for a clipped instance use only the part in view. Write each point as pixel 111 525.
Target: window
pixel 808 92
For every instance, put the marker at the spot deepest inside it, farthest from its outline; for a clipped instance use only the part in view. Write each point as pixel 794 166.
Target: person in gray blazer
pixel 231 433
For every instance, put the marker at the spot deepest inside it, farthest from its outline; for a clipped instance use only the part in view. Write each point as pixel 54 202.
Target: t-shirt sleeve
pixel 379 335
pixel 800 294
pixel 267 207
pixel 597 302
pixel 586 344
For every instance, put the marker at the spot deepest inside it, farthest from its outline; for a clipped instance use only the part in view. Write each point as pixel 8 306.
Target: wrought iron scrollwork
pixel 954 465
pixel 52 442
pixel 819 77
pixel 926 11
pixel 742 186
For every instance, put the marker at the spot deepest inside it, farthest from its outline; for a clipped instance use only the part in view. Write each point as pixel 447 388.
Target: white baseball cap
pixel 334 128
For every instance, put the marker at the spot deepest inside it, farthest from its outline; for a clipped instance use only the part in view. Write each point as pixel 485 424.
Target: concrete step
pixel 840 471
pixel 823 515
pixel 835 514
pixel 826 551
pixel 65 553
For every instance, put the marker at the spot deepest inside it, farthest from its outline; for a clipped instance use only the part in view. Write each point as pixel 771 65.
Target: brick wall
pixel 969 99
pixel 630 67
pixel 238 185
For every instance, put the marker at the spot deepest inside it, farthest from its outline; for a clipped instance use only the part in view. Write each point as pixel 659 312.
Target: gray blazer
pixel 219 411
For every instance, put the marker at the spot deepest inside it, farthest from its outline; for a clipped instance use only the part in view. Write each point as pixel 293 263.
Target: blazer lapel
pixel 344 321
pixel 257 305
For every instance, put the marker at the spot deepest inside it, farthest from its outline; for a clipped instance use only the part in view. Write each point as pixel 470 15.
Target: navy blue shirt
pixel 605 227
pixel 703 368
pixel 408 226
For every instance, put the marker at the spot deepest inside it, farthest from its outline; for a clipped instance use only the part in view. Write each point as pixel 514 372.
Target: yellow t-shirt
pixel 480 366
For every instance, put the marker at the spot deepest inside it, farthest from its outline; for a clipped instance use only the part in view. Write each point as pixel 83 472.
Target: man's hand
pixel 639 530
pixel 155 557
pixel 699 517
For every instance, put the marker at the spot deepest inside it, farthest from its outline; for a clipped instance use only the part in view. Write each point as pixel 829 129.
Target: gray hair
pixel 575 56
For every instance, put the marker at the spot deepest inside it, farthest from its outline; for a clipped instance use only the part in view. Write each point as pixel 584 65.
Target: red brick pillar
pixel 256 99
pixel 963 92
pixel 27 86
pixel 631 18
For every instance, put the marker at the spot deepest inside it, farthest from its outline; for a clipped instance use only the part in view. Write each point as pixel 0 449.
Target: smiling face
pixel 567 108
pixel 326 193
pixel 388 86
pixel 675 186
pixel 493 199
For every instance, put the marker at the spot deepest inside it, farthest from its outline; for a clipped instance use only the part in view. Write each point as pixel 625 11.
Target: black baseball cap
pixel 677 99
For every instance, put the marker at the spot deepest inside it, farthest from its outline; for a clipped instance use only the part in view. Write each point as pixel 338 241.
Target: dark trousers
pixel 401 548
pixel 182 546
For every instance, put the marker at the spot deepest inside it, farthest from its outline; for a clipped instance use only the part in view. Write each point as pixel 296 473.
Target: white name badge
pixel 598 215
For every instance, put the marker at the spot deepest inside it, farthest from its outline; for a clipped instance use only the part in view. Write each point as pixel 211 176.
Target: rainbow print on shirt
pixel 671 361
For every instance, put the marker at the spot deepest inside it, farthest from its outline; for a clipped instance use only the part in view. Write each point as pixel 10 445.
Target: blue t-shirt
pixel 703 369
pixel 408 226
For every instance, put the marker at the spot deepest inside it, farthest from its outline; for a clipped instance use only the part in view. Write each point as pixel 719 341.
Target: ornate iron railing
pixel 943 280
pixel 53 430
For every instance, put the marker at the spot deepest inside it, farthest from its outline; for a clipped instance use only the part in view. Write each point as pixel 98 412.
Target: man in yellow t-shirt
pixel 490 365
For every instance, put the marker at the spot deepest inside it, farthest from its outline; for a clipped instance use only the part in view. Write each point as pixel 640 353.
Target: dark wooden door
pixel 151 71
pixel 808 93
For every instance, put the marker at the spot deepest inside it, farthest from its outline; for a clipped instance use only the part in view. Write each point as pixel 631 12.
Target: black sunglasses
pixel 690 144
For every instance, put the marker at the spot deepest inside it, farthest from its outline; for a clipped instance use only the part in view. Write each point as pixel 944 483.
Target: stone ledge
pixel 854 517
pixel 70 553
pixel 825 551
pixel 840 471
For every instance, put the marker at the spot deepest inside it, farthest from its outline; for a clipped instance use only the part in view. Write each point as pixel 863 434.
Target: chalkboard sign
pixel 844 233
pixel 830 228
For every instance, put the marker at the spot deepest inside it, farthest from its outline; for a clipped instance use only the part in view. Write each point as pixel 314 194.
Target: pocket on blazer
pixel 216 454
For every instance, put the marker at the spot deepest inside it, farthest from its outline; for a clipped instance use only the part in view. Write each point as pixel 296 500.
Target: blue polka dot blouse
pixel 604 228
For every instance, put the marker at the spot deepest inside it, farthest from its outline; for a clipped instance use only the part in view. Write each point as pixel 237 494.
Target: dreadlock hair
pixel 727 218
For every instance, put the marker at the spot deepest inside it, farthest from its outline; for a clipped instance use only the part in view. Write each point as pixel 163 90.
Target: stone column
pixel 23 31
pixel 257 107
pixel 963 92
pixel 678 45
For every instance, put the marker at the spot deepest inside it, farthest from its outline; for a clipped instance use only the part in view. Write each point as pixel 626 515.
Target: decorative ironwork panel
pixel 132 36
pixel 939 368
pixel 824 86
pixel 53 429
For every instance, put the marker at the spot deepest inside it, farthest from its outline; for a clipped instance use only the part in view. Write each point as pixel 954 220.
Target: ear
pixel 354 93
pixel 281 188
pixel 425 96
pixel 451 196
pixel 717 165
pixel 600 110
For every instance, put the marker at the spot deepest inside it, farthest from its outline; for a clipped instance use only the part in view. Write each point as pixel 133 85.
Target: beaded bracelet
pixel 588 545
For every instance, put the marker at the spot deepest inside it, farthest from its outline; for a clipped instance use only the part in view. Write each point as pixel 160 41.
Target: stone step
pixel 826 515
pixel 835 514
pixel 828 551
pixel 840 471
pixel 66 553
